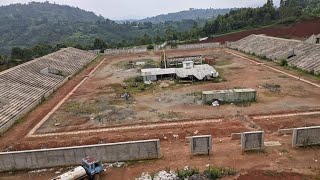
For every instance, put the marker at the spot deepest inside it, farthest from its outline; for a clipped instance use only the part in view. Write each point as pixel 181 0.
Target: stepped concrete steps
pixel 25 85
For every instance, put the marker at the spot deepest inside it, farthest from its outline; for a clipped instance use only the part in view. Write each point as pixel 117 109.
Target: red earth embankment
pixel 300 30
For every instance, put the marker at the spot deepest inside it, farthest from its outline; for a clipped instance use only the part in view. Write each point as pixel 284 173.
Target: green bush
pixel 150 47
pixel 216 172
pixel 284 62
pixel 186 172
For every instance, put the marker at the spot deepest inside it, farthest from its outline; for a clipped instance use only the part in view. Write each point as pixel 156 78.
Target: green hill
pixel 193 14
pixel 25 25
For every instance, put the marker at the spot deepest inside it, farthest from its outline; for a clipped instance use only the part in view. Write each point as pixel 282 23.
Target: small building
pixel 153 74
pixel 229 96
pixel 190 72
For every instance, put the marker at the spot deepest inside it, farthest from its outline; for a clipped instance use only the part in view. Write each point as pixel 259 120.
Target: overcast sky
pixel 135 9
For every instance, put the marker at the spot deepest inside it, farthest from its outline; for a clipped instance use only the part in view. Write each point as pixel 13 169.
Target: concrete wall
pixel 199 46
pixel 201 145
pixel 126 51
pixel 230 96
pixel 306 136
pixel 252 141
pixel 45 158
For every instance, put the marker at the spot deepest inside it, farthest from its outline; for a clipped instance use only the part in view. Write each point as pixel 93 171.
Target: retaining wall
pixel 230 96
pixel 252 141
pixel 201 145
pixel 126 51
pixel 199 46
pixel 69 156
pixel 306 136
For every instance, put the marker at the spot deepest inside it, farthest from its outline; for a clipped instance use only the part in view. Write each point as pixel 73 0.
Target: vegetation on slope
pixel 194 14
pixel 35 29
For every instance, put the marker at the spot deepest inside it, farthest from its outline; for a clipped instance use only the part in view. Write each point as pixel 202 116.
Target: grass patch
pixel 196 93
pixel 186 172
pixel 135 85
pixel 75 107
pixel 169 115
pixel 217 172
pixel 223 62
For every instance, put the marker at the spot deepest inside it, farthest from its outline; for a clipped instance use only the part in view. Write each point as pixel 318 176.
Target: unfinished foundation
pixel 229 96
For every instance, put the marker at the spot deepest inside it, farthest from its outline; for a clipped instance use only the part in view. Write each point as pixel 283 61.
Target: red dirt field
pixel 292 163
pixel 300 30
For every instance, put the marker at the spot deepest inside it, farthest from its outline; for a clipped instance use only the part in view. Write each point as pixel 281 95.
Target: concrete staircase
pixel 306 55
pixel 24 86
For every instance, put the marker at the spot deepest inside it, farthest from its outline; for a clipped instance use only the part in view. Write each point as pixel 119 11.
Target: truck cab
pixel 92 166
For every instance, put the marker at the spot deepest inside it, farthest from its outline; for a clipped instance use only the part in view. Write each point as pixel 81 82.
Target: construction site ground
pixel 96 113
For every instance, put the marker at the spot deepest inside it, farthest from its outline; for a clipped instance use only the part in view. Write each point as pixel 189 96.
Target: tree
pixel 99 44
pixel 17 53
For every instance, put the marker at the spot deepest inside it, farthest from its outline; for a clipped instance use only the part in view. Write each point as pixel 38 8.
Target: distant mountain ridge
pixel 25 25
pixel 193 14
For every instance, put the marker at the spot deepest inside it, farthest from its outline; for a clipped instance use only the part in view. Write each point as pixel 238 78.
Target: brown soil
pixel 294 96
pixel 274 163
pixel 300 30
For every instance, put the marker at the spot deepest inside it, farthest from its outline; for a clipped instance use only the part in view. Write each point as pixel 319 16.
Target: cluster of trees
pixel 289 11
pixel 59 26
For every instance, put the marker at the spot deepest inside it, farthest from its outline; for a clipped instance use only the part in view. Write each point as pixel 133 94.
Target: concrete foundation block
pixel 252 141
pixel 201 145
pixel 285 131
pixel 306 136
pixel 235 136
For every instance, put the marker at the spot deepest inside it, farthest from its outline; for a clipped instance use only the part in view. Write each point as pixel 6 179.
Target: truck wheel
pixel 96 177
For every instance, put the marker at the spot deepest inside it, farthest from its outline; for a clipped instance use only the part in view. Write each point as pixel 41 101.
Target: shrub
pixel 216 172
pixel 186 172
pixel 150 47
pixel 284 62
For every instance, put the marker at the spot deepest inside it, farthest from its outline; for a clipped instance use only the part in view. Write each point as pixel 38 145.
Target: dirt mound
pixel 300 30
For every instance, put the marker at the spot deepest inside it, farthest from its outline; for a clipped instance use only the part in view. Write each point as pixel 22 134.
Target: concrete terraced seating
pixel 298 54
pixel 24 87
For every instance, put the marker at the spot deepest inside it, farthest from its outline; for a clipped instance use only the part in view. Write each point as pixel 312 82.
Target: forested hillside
pixel 33 30
pixel 290 11
pixel 25 25
pixel 188 14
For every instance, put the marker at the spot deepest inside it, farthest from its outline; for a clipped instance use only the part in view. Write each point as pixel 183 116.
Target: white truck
pixel 90 169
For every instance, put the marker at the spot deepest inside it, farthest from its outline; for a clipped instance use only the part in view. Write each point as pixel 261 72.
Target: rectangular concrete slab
pixel 306 136
pixel 201 145
pixel 252 141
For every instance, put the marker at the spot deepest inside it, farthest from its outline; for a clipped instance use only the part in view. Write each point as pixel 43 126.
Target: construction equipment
pixel 90 169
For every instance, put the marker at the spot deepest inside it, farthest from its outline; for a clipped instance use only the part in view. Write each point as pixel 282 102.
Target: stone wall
pixel 252 141
pixel 113 152
pixel 306 136
pixel 201 145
